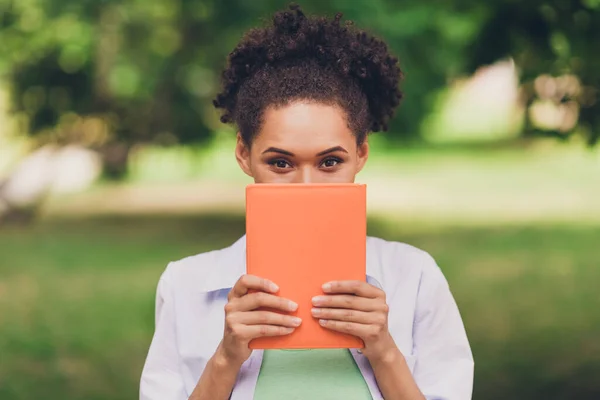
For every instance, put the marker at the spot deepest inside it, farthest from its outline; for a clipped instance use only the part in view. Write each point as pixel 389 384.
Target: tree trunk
pixel 17 216
pixel 115 159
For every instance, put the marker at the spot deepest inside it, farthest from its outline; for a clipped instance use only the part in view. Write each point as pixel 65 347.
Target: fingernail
pixel 296 321
pixel 273 287
pixel 317 300
pixel 322 322
pixel 292 306
pixel 327 287
pixel 316 311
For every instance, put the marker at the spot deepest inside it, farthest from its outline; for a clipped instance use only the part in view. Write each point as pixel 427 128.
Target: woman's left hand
pixel 359 309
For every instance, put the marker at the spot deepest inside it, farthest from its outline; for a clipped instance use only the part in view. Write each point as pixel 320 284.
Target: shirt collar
pixel 229 265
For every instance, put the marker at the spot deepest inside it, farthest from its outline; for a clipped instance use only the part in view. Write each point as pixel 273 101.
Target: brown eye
pixel 330 162
pixel 279 163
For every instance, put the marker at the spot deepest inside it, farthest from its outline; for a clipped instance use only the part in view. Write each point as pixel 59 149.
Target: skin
pixel 282 153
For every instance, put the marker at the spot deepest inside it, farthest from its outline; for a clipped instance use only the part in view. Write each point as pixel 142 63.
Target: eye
pixel 280 163
pixel 330 162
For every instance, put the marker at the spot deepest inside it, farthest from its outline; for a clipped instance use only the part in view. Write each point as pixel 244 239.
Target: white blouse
pixel 423 320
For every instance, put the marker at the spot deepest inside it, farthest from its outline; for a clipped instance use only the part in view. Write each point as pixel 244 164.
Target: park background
pixel 113 163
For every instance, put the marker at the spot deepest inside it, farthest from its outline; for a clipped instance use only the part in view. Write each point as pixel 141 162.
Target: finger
pixel 255 331
pixel 249 282
pixel 253 301
pixel 267 318
pixel 351 328
pixel 359 288
pixel 348 315
pixel 347 301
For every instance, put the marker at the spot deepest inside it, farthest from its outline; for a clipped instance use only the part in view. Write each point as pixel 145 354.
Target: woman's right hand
pixel 243 322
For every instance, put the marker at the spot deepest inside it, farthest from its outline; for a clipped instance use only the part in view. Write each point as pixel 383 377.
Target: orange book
pixel 301 236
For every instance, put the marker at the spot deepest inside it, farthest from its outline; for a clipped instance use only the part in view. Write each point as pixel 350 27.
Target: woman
pixel 303 94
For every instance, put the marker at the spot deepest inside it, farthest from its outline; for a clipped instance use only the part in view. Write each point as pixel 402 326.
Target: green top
pixel 328 374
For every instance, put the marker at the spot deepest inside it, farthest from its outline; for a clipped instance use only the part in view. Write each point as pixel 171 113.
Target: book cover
pixel 301 236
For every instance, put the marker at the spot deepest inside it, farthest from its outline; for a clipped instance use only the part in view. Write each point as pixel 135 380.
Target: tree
pixel 147 70
pixel 555 45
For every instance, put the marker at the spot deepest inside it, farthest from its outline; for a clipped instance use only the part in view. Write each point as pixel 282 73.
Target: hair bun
pixel 293 36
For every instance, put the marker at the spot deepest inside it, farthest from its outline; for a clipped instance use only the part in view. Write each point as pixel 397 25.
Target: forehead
pixel 304 126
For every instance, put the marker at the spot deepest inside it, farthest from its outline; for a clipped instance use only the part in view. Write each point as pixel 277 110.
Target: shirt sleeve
pixel 444 362
pixel 161 378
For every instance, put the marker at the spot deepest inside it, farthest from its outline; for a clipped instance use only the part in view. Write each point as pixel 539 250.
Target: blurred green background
pixel 113 163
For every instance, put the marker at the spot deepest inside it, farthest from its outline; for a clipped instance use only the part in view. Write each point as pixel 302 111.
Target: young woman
pixel 303 93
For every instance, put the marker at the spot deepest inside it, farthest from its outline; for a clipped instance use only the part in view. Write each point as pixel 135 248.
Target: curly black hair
pixel 310 58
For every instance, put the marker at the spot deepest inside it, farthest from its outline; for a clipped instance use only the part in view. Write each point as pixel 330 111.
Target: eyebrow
pixel 287 153
pixel 276 150
pixel 331 150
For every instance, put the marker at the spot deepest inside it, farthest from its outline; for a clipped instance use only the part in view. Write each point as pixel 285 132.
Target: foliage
pixel 555 38
pixel 148 69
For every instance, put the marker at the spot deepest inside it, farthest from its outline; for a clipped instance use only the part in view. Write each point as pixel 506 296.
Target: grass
pixel 515 230
pixel 541 183
pixel 77 298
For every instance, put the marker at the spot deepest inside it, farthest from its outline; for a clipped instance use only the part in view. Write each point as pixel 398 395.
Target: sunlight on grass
pixel 545 182
pixel 77 298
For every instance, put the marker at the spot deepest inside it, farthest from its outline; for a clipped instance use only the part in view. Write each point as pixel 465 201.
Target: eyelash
pixel 274 162
pixel 337 160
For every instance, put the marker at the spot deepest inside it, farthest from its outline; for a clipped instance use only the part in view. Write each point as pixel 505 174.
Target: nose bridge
pixel 306 174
